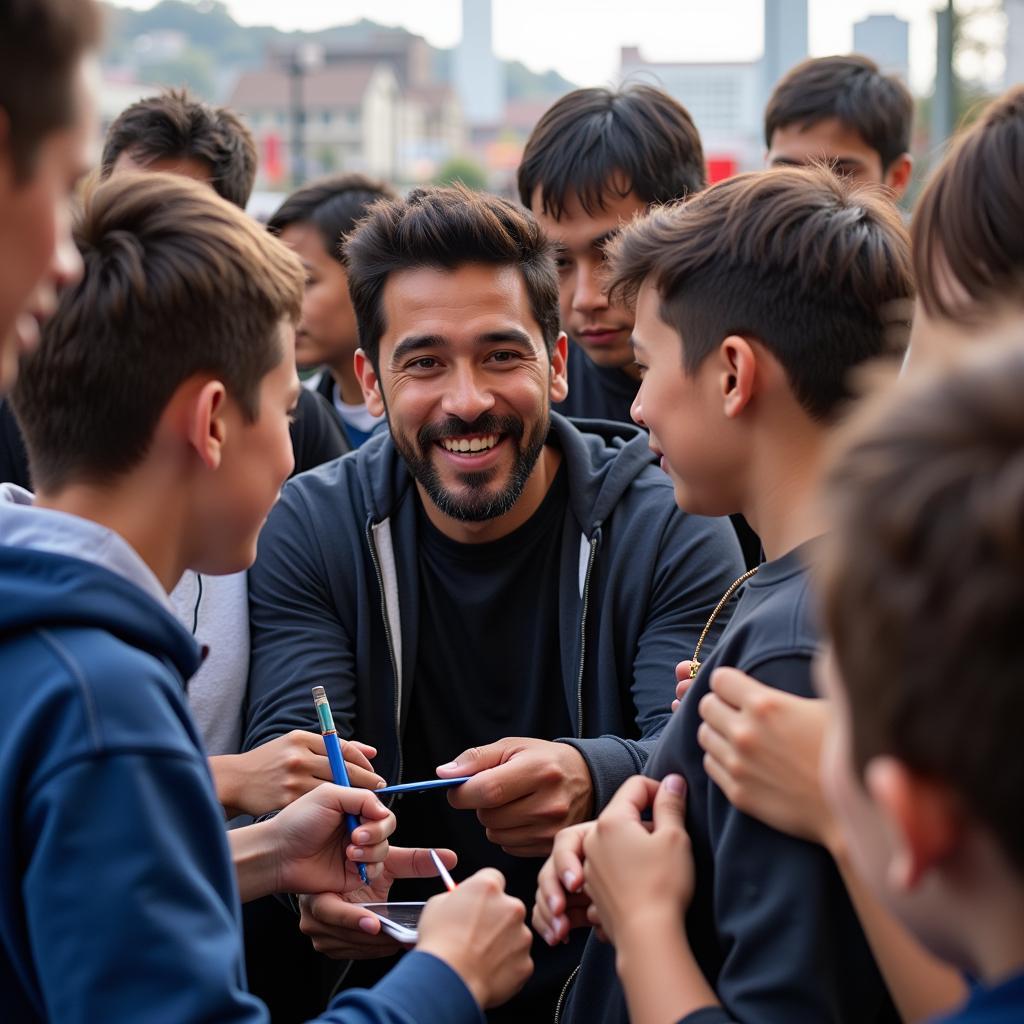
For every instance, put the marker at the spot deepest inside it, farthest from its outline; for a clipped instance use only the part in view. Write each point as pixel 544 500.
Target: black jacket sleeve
pixel 317 436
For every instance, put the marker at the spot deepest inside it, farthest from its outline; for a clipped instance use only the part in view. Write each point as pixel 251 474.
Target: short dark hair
pixel 968 221
pixel 596 141
pixel 332 206
pixel 176 282
pixel 41 42
pixel 805 262
pixel 175 125
pixel 878 107
pixel 446 228
pixel 923 582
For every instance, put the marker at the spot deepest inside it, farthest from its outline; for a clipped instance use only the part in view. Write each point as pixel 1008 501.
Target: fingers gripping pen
pixel 335 757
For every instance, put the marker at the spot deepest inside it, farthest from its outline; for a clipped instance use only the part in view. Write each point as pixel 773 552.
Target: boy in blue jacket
pixel 156 414
pixel 755 302
pixel 922 585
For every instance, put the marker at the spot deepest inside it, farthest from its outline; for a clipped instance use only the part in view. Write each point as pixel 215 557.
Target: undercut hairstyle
pixel 968 227
pixel 597 143
pixel 333 206
pixel 176 126
pixel 922 579
pixel 852 89
pixel 444 229
pixel 177 282
pixel 41 44
pixel 814 268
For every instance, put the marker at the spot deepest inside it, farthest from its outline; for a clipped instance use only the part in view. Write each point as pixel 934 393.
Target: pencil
pixel 335 757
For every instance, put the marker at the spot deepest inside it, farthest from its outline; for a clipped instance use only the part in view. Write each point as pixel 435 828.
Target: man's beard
pixel 474 503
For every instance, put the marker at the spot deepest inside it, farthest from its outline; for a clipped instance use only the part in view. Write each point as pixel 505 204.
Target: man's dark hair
pixel 595 142
pixel 923 582
pixel 446 228
pixel 968 228
pixel 852 89
pixel 809 265
pixel 175 126
pixel 176 282
pixel 41 43
pixel 332 206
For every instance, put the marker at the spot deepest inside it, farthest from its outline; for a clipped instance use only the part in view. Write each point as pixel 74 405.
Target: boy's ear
pixel 206 424
pixel 737 374
pixel 897 174
pixel 924 817
pixel 559 362
pixel 369 382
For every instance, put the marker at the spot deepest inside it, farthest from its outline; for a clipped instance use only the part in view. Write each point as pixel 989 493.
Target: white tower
pixel 886 40
pixel 478 73
pixel 785 40
pixel 1014 74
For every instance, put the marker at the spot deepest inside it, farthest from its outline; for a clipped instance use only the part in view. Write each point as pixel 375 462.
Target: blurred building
pixel 785 41
pixel 1014 74
pixel 886 40
pixel 478 72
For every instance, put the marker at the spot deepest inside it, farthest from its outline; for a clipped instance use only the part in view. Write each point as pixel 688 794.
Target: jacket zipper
pixel 391 647
pixel 583 635
pixel 565 991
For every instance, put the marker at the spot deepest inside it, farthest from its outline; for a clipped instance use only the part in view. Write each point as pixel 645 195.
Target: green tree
pixel 464 169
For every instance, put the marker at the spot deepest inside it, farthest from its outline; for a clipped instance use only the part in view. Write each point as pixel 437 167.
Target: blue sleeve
pixel 696 561
pixel 793 948
pixel 419 989
pixel 129 894
pixel 297 639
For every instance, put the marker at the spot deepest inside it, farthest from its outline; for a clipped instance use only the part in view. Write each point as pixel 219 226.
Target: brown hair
pixel 852 89
pixel 810 265
pixel 177 282
pixel 41 42
pixel 923 582
pixel 446 228
pixel 595 141
pixel 174 125
pixel 969 221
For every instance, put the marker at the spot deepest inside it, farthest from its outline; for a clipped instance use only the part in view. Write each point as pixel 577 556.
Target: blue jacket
pixel 118 899
pixel 334 598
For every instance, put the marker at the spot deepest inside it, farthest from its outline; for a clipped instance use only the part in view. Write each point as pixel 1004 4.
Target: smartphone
pixel 399 920
pixel 419 787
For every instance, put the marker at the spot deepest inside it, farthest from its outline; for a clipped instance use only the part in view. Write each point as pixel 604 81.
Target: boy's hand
pixel 479 931
pixel 273 775
pixel 683 682
pixel 762 748
pixel 634 871
pixel 313 849
pixel 561 902
pixel 343 931
pixel 524 791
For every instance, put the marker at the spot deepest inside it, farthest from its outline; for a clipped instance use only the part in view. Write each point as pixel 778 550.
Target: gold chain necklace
pixel 694 662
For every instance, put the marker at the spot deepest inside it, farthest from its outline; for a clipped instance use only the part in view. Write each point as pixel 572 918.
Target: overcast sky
pixel 581 38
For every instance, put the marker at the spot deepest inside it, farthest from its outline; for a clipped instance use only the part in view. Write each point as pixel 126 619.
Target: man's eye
pixel 503 357
pixel 640 367
pixel 424 363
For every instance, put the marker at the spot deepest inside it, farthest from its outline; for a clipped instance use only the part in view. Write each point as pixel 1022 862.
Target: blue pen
pixel 335 756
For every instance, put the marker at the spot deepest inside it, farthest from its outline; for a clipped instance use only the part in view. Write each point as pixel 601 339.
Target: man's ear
pixel 897 175
pixel 559 368
pixel 369 382
pixel 924 817
pixel 206 423
pixel 737 374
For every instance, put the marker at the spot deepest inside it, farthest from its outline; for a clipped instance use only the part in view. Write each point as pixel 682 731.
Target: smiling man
pixel 486 590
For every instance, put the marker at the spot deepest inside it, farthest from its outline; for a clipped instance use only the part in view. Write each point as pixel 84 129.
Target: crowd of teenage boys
pixel 505 546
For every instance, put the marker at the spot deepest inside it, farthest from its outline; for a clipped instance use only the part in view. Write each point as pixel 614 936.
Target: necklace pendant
pixel 694 668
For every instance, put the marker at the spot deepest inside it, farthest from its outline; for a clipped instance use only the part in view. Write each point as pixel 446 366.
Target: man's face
pixel 37 253
pixel 599 328
pixel 466 382
pixel 327 332
pixel 257 459
pixel 686 426
pixel 835 143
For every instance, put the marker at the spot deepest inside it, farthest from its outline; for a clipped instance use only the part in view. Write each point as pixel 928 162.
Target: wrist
pixel 453 956
pixel 255 855
pixel 227 782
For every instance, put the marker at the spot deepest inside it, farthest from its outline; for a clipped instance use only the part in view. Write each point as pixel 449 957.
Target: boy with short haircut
pixel 156 414
pixel 755 302
pixel 313 221
pixel 594 160
pixel 844 111
pixel 923 583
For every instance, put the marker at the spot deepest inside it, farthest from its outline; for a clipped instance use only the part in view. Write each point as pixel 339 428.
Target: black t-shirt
pixel 13 457
pixel 597 392
pixel 488 666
